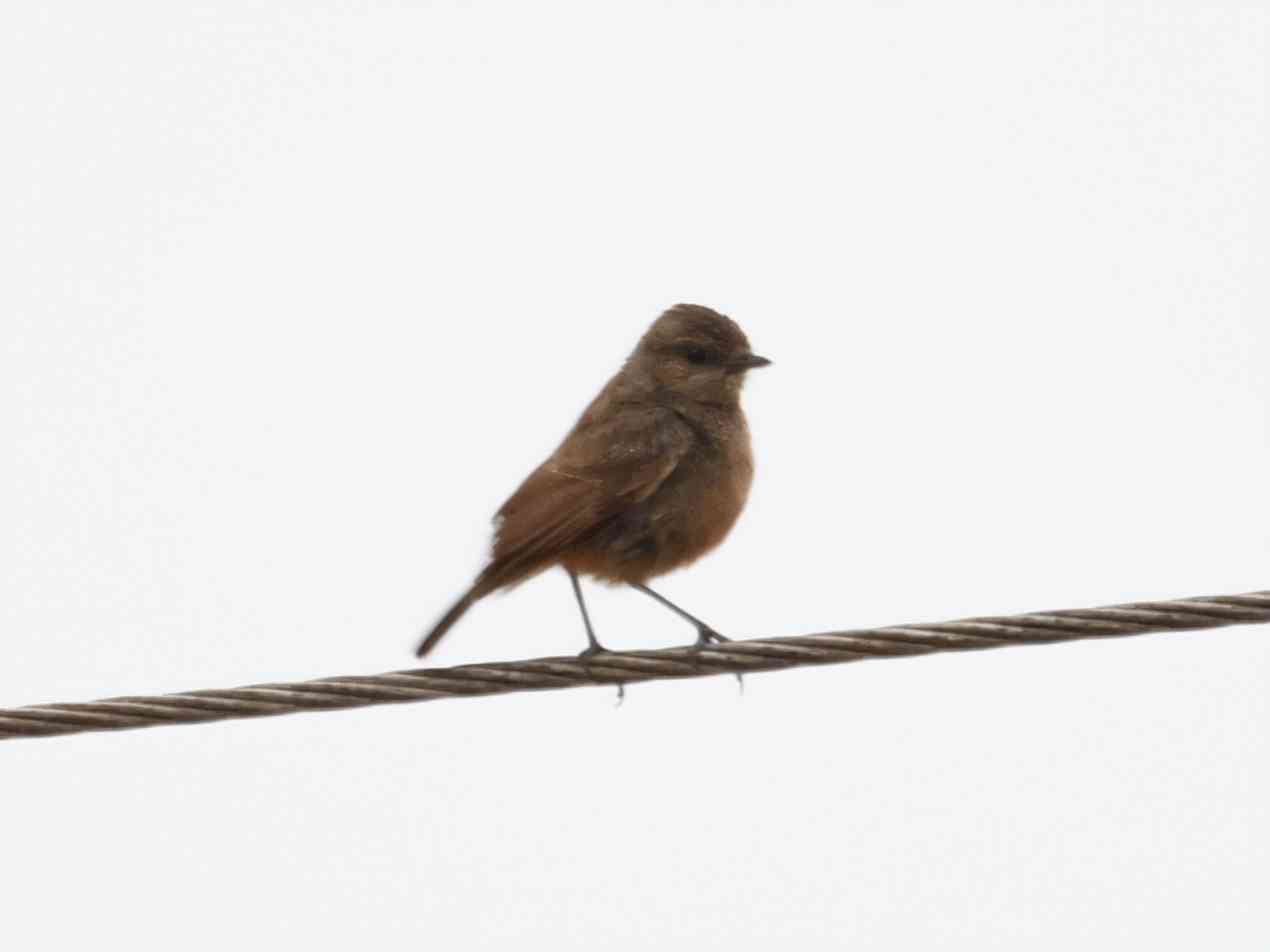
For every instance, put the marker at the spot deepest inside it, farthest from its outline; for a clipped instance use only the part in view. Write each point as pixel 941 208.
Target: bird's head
pixel 697 354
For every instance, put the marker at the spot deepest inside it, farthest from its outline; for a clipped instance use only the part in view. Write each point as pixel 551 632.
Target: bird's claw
pixel 593 649
pixel 707 636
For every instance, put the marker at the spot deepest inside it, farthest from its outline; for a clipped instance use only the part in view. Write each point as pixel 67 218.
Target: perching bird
pixel 651 477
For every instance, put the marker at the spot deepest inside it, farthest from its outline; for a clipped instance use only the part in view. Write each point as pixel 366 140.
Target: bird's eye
pixel 695 355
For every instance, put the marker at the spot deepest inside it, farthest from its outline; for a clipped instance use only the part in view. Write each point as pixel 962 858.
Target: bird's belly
pixel 699 516
pixel 686 518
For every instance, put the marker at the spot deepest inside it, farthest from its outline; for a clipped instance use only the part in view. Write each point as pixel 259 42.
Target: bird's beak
pixel 748 362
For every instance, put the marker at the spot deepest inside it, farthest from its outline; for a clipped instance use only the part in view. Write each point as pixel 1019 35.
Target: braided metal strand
pixel 618 668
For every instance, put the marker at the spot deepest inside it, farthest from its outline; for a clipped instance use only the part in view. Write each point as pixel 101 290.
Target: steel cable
pixel 629 667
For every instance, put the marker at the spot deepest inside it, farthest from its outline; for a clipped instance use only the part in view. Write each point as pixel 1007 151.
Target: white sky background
pixel 295 294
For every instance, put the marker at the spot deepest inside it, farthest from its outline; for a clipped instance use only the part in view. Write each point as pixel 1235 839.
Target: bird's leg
pixel 593 644
pixel 705 634
pixel 593 647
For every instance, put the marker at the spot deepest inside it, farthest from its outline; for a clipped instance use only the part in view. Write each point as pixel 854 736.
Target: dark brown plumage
pixel 652 476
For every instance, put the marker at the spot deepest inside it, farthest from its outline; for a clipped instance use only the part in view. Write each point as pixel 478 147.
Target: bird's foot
pixel 707 636
pixel 593 649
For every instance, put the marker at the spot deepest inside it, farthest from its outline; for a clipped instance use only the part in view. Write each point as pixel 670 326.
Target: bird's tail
pixel 447 621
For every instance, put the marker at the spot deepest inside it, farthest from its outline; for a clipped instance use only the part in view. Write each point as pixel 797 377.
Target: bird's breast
pixel 690 513
pixel 698 506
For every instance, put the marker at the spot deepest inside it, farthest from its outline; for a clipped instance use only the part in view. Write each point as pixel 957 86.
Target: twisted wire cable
pixel 628 667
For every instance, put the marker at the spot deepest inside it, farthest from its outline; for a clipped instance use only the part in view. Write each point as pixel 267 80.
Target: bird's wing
pixel 599 471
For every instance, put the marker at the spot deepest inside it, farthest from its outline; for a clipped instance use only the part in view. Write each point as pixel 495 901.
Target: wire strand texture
pixel 629 667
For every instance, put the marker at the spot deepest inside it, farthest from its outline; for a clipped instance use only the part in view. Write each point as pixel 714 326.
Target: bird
pixel 651 477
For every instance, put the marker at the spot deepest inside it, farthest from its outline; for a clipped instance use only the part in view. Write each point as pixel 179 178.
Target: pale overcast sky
pixel 296 293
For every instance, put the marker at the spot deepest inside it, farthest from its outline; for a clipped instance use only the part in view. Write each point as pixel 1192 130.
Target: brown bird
pixel 651 477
